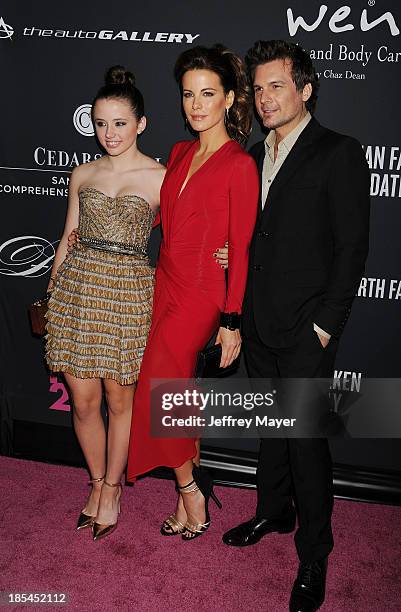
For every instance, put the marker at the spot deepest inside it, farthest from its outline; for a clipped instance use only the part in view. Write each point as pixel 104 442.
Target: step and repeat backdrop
pixel 53 58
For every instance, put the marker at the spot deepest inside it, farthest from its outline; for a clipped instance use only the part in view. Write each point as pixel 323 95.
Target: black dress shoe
pixel 309 587
pixel 252 531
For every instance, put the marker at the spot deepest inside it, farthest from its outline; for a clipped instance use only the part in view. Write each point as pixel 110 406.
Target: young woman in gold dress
pixel 101 295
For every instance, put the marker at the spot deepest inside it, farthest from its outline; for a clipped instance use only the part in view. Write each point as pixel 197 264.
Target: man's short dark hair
pixel 303 70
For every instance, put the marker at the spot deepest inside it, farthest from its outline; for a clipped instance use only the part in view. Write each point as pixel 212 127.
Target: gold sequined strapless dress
pixel 100 309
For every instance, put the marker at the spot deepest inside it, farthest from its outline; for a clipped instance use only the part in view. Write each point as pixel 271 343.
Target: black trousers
pixel 295 470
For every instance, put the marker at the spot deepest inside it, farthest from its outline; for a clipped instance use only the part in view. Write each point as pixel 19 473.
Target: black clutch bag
pixel 208 364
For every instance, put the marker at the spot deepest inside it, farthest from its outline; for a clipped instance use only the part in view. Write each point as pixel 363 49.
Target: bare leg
pixel 119 401
pixel 180 510
pixel 90 430
pixel 194 502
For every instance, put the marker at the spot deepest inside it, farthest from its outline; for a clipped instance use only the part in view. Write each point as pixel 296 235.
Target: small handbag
pixel 208 364
pixel 37 313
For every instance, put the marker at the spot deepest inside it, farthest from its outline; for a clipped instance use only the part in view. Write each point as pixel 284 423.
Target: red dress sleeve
pixel 244 196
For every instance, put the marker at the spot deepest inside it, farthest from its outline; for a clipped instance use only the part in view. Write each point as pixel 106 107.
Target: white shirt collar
pixel 291 138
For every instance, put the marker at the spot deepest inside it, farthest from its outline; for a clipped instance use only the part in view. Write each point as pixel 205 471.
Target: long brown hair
pixel 232 73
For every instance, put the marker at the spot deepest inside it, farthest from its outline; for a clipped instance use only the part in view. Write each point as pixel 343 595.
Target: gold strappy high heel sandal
pixel 98 529
pixel 202 482
pixel 86 520
pixel 171 525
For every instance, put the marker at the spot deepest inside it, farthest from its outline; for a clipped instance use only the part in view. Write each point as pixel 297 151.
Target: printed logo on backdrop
pixel 380 288
pixel 6 31
pixel 62 159
pixel 339 16
pixel 82 120
pixel 119 35
pixel 345 391
pixel 59 162
pixel 62 402
pixel 385 165
pixel 27 256
pixel 59 158
pixel 349 59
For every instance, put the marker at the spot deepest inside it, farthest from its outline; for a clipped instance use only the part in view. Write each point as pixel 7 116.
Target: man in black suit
pixel 306 260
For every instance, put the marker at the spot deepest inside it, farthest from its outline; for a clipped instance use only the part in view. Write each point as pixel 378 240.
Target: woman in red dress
pixel 209 196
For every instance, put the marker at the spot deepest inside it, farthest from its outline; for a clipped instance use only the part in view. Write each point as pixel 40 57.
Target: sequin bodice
pixel 125 219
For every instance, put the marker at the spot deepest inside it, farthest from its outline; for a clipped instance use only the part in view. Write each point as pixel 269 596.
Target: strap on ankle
pixel 92 480
pixel 191 487
pixel 109 484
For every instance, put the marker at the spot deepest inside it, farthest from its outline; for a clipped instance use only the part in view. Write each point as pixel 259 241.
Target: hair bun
pixel 118 75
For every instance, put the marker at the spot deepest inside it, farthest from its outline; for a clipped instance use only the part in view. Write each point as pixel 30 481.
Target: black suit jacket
pixel 310 242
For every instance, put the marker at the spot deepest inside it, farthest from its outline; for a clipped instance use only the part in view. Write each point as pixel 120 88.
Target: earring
pixel 226 116
pixel 185 123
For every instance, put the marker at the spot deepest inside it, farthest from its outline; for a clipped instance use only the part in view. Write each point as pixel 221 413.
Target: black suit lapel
pixel 294 160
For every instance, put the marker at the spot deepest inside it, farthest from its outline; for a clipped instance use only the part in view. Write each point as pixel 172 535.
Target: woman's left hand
pixel 221 256
pixel 230 344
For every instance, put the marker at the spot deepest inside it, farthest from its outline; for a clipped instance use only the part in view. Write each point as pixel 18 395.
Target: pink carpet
pixel 137 569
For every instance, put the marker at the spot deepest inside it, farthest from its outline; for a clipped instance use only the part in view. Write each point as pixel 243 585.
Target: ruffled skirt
pixel 99 315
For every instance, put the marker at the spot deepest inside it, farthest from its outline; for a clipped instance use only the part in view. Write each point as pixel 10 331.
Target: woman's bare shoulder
pixel 82 173
pixel 154 175
pixel 149 163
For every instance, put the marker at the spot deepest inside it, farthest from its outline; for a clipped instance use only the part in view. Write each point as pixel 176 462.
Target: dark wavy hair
pixel 120 83
pixel 302 68
pixel 232 73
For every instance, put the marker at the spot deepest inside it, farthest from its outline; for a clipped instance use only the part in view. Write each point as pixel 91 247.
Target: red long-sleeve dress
pixel 218 203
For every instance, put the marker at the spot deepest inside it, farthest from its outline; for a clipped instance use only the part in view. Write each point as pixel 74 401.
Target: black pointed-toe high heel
pixel 86 520
pixel 202 482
